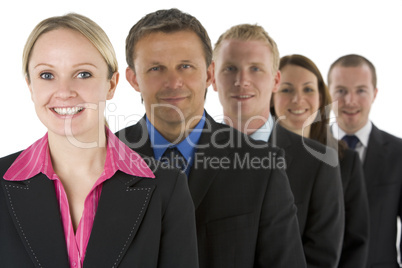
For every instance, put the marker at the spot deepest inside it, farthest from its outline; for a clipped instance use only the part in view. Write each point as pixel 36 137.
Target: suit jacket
pixel 139 222
pixel 357 219
pixel 317 189
pixel 383 173
pixel 245 210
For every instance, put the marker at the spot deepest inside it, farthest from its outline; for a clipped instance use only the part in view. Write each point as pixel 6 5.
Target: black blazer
pixel 317 189
pixel 140 222
pixel 357 220
pixel 383 173
pixel 245 213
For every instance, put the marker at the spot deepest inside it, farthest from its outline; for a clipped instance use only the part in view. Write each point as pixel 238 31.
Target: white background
pixel 321 30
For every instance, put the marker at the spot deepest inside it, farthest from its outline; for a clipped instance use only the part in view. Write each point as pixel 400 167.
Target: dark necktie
pixel 351 140
pixel 173 156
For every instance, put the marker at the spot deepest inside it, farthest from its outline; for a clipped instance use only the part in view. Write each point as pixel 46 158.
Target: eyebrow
pixel 362 86
pixel 287 83
pixel 74 66
pixel 290 84
pixel 85 63
pixel 309 82
pixel 44 64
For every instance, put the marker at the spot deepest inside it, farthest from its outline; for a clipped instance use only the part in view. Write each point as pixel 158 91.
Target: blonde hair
pixel 92 31
pixel 249 32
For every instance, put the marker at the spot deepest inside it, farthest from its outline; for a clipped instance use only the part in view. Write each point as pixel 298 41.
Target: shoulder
pixel 391 138
pixel 234 140
pixel 380 137
pixel 131 131
pixel 164 174
pixel 7 161
pixel 312 149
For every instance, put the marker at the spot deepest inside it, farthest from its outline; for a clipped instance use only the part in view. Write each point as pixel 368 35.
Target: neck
pixel 70 156
pixel 351 131
pixel 246 125
pixel 175 132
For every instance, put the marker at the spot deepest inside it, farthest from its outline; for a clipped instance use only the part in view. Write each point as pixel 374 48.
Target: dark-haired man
pixel 352 82
pixel 245 210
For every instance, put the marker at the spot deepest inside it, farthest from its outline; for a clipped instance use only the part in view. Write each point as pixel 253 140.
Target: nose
pixel 242 79
pixel 297 97
pixel 65 89
pixel 350 97
pixel 174 80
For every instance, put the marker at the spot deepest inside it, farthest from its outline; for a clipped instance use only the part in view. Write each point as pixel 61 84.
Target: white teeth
pixel 298 111
pixel 244 96
pixel 68 111
pixel 350 112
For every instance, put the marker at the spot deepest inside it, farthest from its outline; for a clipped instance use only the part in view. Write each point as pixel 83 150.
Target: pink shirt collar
pixel 36 159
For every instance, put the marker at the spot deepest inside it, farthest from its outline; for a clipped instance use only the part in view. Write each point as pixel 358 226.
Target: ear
pixel 132 78
pixel 210 74
pixel 277 81
pixel 375 94
pixel 213 77
pixel 29 86
pixel 113 84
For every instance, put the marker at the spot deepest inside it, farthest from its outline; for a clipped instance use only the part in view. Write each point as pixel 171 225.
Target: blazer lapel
pixel 34 208
pixel 200 177
pixel 280 138
pixel 120 212
pixel 375 156
pixel 202 174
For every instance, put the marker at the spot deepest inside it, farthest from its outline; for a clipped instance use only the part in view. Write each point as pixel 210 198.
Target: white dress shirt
pixel 264 132
pixel 363 134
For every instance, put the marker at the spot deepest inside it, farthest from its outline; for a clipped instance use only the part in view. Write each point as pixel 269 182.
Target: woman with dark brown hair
pixel 302 104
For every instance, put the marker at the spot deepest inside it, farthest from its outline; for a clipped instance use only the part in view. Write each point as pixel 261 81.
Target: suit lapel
pixel 34 208
pixel 200 177
pixel 202 174
pixel 120 212
pixel 375 157
pixel 281 138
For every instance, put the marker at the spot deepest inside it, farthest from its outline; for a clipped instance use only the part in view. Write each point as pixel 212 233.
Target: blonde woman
pixel 78 197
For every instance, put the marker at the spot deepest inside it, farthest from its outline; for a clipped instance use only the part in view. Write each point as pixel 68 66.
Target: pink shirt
pixel 36 159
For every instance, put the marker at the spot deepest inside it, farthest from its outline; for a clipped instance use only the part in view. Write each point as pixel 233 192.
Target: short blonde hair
pixel 250 32
pixel 92 31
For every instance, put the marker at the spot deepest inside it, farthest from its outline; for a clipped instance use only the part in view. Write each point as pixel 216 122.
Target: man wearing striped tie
pixel 352 83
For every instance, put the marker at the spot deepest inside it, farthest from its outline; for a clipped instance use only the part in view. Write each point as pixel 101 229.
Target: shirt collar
pixel 186 147
pixel 264 132
pixel 363 134
pixel 36 159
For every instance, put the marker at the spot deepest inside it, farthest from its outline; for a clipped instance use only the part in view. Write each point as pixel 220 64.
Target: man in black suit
pixel 352 83
pixel 246 61
pixel 244 207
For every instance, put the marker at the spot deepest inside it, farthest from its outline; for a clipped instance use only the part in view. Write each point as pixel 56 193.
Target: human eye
pixel 361 91
pixel 185 66
pixel 229 68
pixel 341 91
pixel 308 89
pixel 84 75
pixel 255 69
pixel 155 68
pixel 285 90
pixel 46 76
